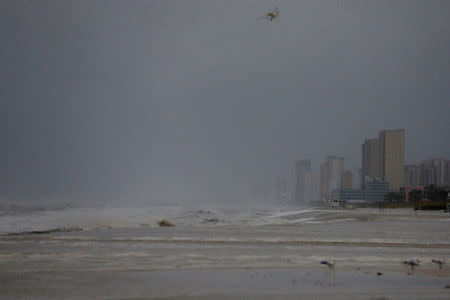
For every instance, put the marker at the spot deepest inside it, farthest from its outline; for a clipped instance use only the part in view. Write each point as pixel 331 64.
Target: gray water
pixel 219 251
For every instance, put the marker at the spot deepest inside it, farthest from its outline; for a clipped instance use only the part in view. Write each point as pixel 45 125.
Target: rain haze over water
pixel 196 101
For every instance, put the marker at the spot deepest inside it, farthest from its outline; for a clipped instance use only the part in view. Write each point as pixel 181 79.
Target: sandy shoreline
pixel 300 283
pixel 258 257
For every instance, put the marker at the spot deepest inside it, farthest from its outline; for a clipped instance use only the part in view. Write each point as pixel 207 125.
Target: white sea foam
pixel 291 212
pixel 114 218
pixel 132 254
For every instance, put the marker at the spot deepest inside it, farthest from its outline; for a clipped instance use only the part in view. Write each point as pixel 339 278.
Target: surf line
pixel 238 242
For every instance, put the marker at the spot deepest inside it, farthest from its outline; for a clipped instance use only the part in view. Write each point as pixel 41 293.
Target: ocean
pixel 272 252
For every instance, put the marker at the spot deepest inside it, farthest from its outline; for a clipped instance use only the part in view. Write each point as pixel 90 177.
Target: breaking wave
pixel 49 231
pixel 46 222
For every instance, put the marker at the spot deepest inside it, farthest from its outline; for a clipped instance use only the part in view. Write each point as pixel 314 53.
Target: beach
pixel 225 254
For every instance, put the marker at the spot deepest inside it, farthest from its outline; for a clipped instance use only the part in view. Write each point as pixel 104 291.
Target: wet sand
pixel 227 284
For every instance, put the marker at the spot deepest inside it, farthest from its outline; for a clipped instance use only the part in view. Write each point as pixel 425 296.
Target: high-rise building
pixel 281 189
pixel 441 171
pixel 303 182
pixel 331 172
pixel 370 161
pixel 392 157
pixel 413 175
pixel 335 170
pixel 360 177
pixel 323 182
pixel 347 180
pixel 434 171
pixel 447 182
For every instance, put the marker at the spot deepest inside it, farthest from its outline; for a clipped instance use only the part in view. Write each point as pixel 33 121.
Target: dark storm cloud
pixel 195 100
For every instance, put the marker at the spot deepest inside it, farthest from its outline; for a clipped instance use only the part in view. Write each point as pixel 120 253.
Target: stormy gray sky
pixel 164 101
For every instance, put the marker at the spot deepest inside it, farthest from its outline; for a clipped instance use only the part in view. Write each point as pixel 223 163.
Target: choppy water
pixel 129 240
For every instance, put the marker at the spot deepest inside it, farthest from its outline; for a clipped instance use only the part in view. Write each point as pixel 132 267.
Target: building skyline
pixel 303 182
pixel 431 171
pixel 383 160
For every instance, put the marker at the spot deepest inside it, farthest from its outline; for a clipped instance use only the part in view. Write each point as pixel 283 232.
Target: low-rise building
pixel 404 191
pixel 341 197
pixel 374 192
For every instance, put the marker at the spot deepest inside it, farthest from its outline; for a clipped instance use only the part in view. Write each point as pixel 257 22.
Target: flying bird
pixel 270 16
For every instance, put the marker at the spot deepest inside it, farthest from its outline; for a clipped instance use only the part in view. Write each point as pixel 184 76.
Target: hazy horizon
pixel 196 101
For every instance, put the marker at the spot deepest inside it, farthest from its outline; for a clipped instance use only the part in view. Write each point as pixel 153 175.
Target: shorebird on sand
pixel 412 263
pixel 330 264
pixel 439 262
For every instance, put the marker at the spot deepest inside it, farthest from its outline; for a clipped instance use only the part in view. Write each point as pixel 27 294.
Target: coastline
pixel 265 256
pixel 300 283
